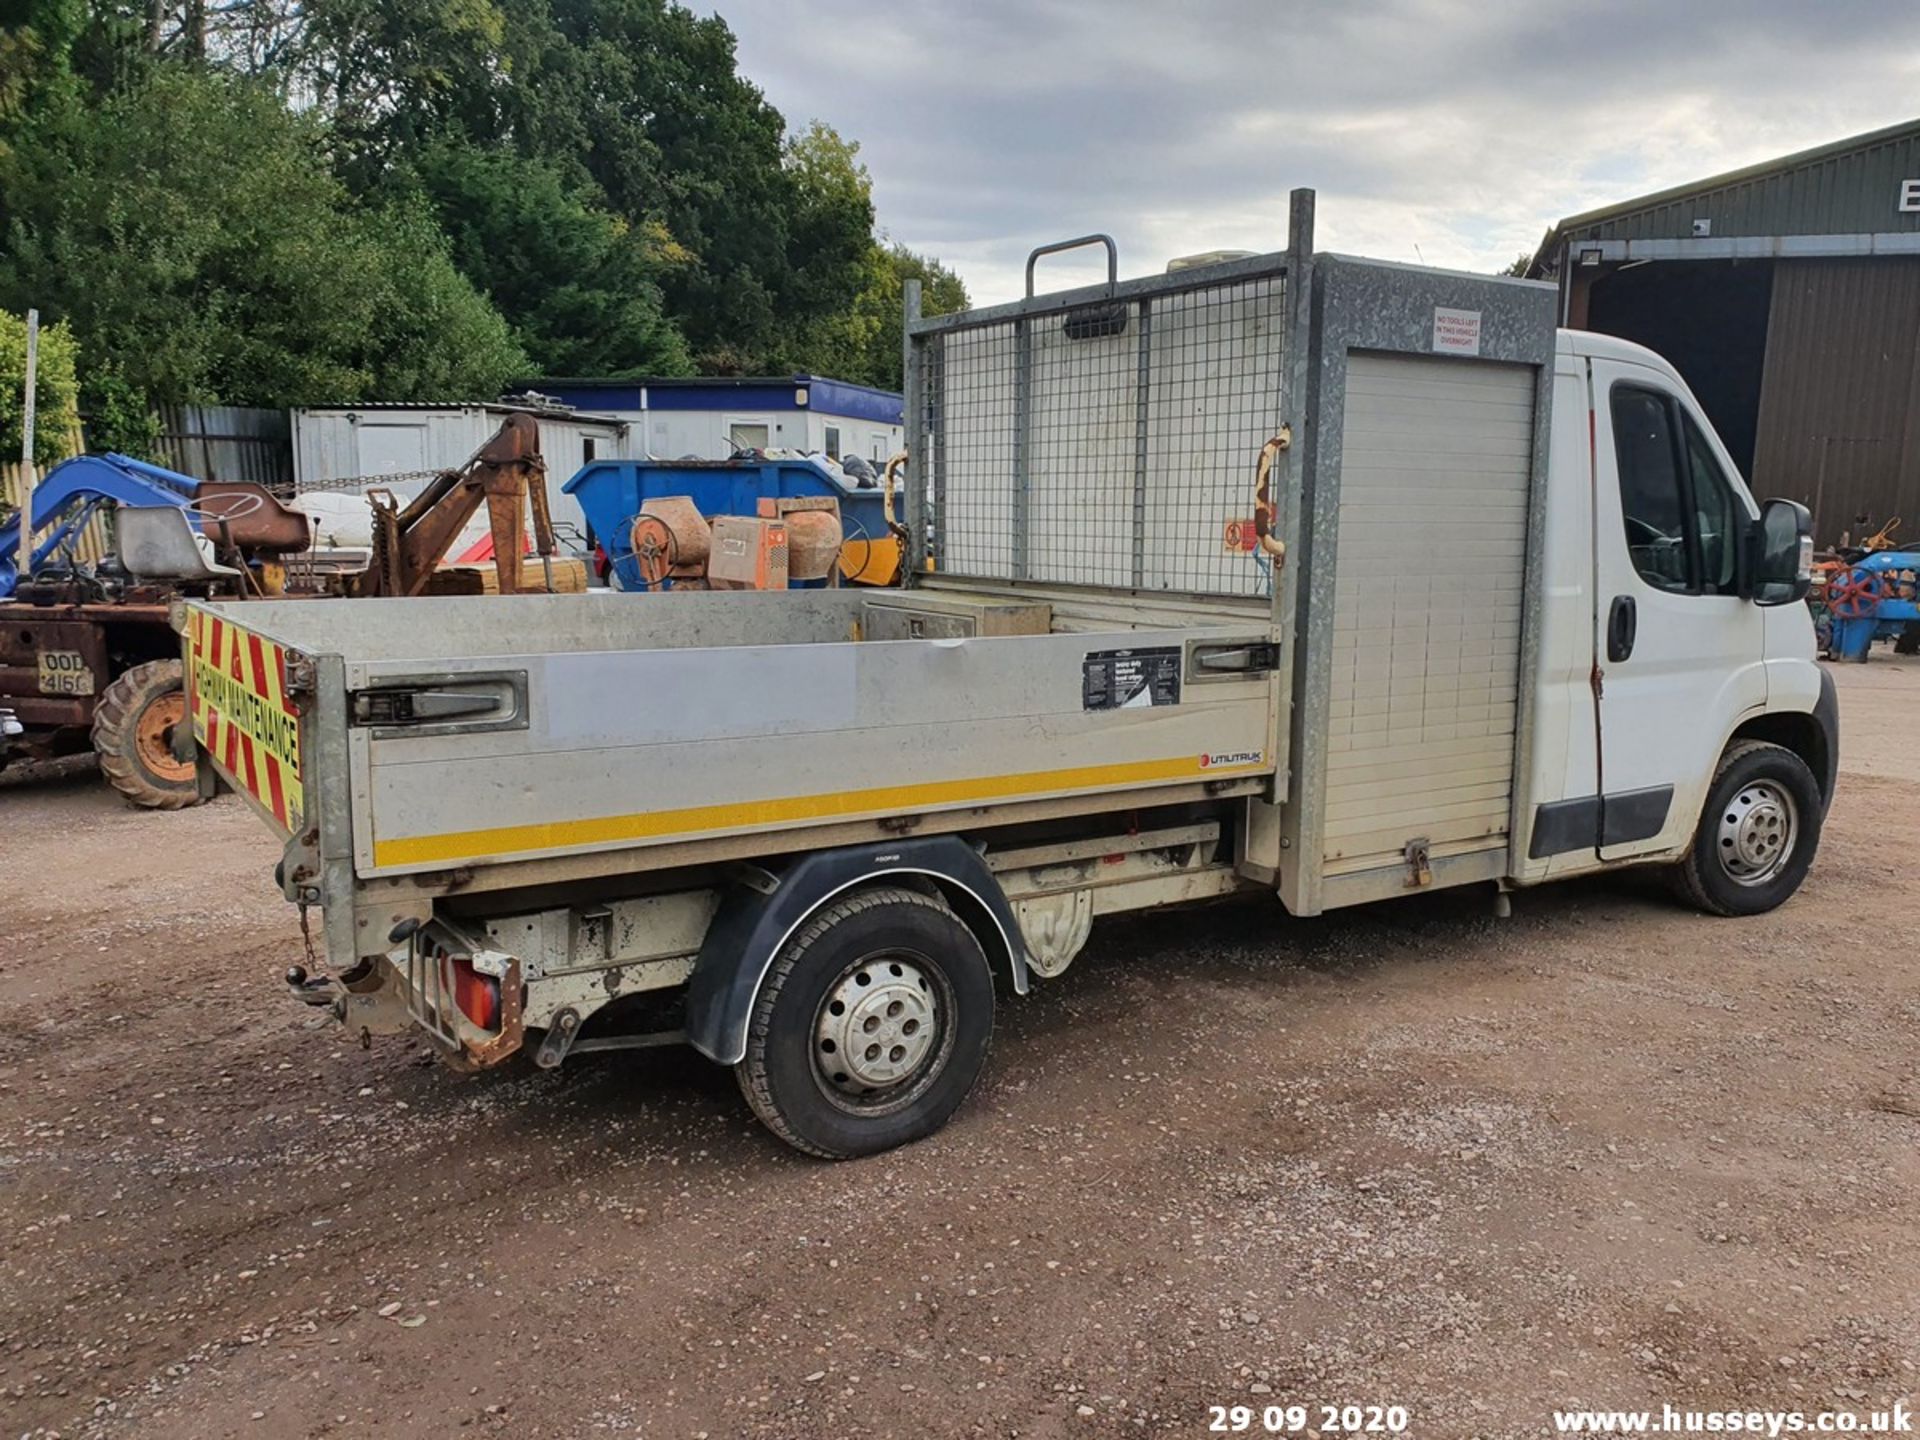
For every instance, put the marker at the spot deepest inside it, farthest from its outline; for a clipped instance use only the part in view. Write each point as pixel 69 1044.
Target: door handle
pixel 1623 622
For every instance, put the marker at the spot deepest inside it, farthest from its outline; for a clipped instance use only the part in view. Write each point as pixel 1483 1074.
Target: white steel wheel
pixel 871 1026
pixel 883 1031
pixel 1758 831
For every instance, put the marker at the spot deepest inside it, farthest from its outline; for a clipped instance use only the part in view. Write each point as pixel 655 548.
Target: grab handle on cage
pixel 1113 256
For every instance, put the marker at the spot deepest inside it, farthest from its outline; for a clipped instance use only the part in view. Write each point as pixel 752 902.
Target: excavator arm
pixel 505 475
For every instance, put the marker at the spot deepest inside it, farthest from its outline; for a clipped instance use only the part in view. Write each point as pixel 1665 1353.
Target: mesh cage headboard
pixel 1105 436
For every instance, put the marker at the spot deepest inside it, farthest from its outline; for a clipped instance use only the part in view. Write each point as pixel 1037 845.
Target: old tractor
pixel 88 659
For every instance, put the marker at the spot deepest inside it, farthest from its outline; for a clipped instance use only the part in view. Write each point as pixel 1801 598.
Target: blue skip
pixel 611 493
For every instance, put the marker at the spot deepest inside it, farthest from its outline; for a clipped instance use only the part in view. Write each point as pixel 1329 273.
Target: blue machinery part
pixel 611 493
pixel 73 490
pixel 1872 599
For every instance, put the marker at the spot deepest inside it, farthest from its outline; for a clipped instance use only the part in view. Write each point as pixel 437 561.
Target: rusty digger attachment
pixel 507 474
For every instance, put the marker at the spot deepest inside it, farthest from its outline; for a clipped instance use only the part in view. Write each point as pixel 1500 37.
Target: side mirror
pixel 1782 557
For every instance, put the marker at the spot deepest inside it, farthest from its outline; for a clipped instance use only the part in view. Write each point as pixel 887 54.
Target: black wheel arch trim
pixel 756 919
pixel 1826 714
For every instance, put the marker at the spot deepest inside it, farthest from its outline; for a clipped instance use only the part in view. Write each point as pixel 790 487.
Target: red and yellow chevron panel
pixel 237 692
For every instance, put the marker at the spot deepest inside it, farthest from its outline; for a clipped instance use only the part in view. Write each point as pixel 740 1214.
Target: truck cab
pixel 1664 647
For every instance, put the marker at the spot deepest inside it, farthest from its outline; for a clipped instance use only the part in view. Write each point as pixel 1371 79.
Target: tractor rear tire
pixel 133 726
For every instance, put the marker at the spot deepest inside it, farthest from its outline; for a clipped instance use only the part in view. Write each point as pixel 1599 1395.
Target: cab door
pixel 1678 649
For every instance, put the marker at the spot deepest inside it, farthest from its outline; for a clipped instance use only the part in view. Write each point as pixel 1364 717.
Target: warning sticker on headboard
pixel 1455 332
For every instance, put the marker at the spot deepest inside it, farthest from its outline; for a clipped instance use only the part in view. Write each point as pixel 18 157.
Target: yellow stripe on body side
pixel 465 845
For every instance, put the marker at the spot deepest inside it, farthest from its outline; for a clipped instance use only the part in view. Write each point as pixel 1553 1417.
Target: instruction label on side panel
pixel 1130 679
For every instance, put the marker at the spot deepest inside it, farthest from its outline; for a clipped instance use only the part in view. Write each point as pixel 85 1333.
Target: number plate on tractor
pixel 64 672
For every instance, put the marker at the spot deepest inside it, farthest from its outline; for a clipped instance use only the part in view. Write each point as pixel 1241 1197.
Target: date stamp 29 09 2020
pixel 1300 1419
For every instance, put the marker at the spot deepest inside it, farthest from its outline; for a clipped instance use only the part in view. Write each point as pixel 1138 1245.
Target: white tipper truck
pixel 1295 573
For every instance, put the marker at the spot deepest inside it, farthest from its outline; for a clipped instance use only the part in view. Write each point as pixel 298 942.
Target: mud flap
pixel 761 910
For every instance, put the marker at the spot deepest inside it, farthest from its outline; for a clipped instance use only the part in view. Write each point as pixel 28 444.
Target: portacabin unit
pixel 714 417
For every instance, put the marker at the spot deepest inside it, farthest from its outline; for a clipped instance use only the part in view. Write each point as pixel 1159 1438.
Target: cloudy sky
pixel 1449 130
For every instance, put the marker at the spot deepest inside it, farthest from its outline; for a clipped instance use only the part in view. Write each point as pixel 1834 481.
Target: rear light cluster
pixel 477 995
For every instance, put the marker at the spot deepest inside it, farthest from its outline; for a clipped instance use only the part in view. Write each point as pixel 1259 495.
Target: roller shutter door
pixel 1432 545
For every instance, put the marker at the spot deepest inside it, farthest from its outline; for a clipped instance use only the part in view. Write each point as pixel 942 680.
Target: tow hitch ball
pixel 318 991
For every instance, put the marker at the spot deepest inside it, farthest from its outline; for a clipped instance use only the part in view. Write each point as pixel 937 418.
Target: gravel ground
pixel 1605 1153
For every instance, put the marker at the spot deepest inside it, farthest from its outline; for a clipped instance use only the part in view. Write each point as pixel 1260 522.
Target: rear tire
pixel 871 1027
pixel 1758 832
pixel 133 726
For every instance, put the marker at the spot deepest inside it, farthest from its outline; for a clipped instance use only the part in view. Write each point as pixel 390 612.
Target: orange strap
pixel 1265 513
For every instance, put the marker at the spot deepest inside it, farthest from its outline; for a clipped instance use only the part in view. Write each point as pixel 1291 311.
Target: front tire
pixel 871 1027
pixel 1758 832
pixel 133 726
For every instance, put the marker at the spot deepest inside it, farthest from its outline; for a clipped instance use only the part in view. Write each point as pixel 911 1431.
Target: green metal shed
pixel 1788 294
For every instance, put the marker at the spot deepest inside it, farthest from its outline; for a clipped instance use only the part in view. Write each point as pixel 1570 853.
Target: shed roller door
pixel 1436 456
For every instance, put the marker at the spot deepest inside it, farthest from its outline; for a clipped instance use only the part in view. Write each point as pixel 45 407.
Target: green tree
pixel 309 200
pixel 637 106
pixel 56 391
pixel 392 75
pixel 117 415
pixel 645 97
pixel 192 232
pixel 431 335
pixel 863 342
pixel 941 293
pixel 831 262
pixel 389 75
pixel 36 42
pixel 579 284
